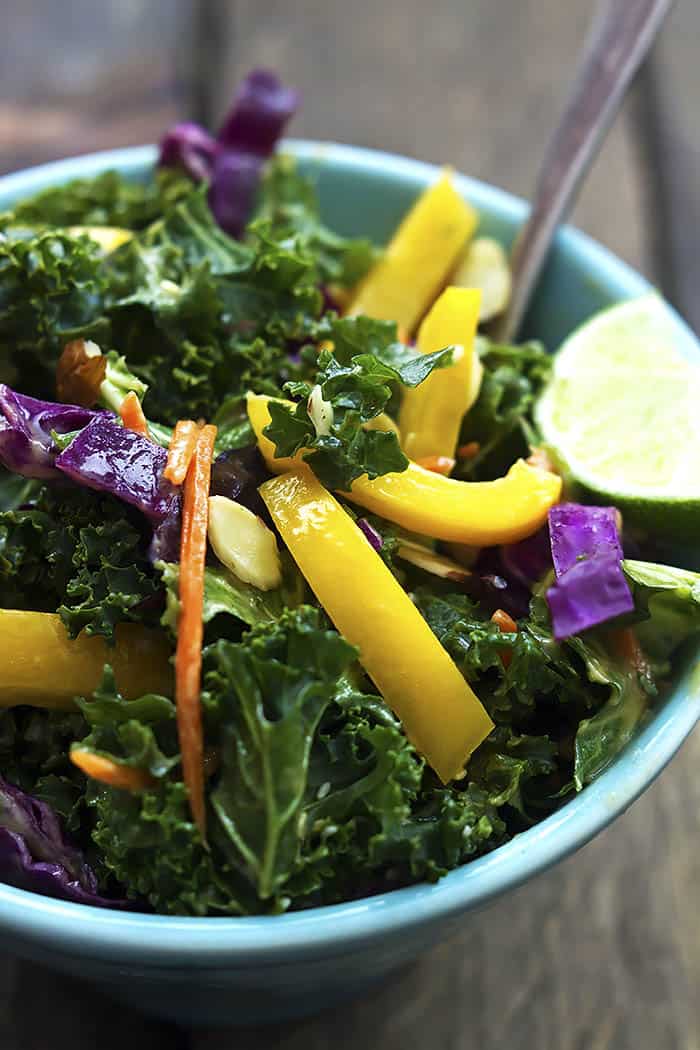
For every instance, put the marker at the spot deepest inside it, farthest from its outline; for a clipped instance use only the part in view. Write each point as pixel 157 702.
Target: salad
pixel 296 603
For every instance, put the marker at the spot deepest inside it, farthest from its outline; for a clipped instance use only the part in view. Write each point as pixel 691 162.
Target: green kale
pixel 356 380
pixel 271 692
pixel 108 199
pixel 34 755
pixel 201 317
pixel 226 595
pixel 51 291
pixel 80 554
pixel 667 600
pixel 500 419
pixel 288 202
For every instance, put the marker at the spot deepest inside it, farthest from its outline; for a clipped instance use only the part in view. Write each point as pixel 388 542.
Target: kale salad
pixel 296 603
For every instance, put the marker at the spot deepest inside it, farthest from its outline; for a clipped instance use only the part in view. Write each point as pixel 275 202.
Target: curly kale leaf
pixel 108 199
pixel 500 419
pixel 200 316
pixel 288 202
pixel 356 380
pixel 80 554
pixel 51 291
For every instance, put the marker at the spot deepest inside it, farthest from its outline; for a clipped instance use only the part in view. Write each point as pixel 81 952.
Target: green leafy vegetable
pixel 355 379
pixel 289 204
pixel 669 599
pixel 272 691
pixel 226 595
pixel 80 554
pixel 107 199
pixel 500 419
pixel 51 291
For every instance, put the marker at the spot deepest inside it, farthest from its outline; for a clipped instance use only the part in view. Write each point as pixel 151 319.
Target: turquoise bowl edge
pixel 581 277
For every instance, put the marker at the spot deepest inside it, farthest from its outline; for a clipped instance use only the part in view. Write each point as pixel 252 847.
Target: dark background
pixel 603 951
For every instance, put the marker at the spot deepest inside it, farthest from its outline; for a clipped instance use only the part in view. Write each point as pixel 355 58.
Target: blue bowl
pixel 236 971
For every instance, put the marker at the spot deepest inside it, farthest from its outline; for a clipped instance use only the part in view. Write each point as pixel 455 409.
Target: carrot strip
pixel 130 778
pixel 629 650
pixel 132 415
pixel 438 464
pixel 188 655
pixel 506 625
pixel 181 450
pixel 469 450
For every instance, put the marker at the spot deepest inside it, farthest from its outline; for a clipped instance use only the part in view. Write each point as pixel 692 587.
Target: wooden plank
pixel 475 85
pixel 599 953
pixel 111 74
pixel 39 1009
pixel 673 145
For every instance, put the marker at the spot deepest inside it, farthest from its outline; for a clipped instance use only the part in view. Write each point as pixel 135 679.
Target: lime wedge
pixel 621 415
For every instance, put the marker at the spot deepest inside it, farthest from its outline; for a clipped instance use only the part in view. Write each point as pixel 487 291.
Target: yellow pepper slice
pixel 109 238
pixel 432 413
pixel 440 713
pixel 419 258
pixel 479 513
pixel 40 665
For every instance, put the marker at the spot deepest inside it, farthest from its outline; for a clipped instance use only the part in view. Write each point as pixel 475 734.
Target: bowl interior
pixel 366 192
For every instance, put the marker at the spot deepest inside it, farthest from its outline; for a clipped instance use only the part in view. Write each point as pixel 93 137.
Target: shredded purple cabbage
pixel 529 560
pixel 35 855
pixel 232 162
pixel 590 586
pixel 374 537
pixel 26 426
pixel 108 457
pixel 237 474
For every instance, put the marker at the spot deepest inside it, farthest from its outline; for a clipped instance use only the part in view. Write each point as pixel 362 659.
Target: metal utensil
pixel 619 40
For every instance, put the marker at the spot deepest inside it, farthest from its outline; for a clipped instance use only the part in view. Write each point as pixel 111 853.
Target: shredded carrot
pixel 181 450
pixel 630 651
pixel 188 656
pixel 506 625
pixel 132 415
pixel 438 464
pixel 468 451
pixel 130 778
pixel 402 334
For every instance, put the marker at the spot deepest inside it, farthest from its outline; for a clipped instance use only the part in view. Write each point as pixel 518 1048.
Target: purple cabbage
pixel 108 457
pixel 26 425
pixel 590 586
pixel 237 474
pixel 233 161
pixel 190 147
pixel 529 560
pixel 375 538
pixel 35 855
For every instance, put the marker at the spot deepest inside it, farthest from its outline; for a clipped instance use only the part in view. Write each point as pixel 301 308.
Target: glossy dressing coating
pixel 419 258
pixel 479 513
pixel 432 413
pixel 440 713
pixel 40 665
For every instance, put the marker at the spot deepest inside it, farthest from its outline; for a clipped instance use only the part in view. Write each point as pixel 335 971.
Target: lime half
pixel 622 415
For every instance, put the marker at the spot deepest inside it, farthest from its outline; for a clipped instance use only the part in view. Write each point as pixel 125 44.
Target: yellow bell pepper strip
pixel 116 774
pixel 431 414
pixel 419 258
pixel 109 238
pixel 40 665
pixel 417 678
pixel 478 513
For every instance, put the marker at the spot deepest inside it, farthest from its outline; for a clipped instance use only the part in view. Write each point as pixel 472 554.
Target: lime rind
pixel 621 414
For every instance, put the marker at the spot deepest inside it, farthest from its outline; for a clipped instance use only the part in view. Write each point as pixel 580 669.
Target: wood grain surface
pixel 603 952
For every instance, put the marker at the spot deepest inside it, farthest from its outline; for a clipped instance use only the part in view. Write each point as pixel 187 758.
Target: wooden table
pixel 603 951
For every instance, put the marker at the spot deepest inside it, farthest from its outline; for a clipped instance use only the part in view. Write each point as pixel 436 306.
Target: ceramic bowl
pixel 222 971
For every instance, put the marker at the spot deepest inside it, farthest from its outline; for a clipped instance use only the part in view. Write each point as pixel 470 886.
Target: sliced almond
pixel 244 544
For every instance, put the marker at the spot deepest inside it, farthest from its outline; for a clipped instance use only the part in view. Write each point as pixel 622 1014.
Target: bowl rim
pixel 174 941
